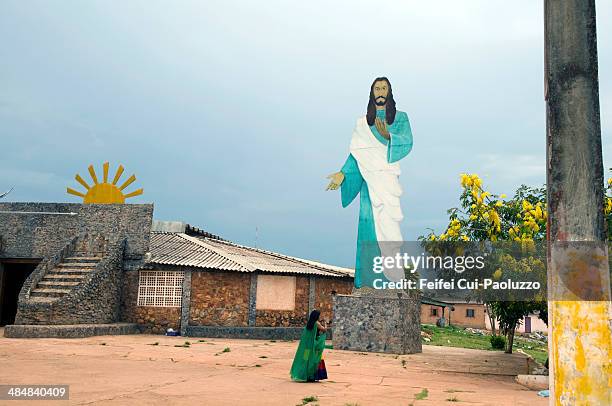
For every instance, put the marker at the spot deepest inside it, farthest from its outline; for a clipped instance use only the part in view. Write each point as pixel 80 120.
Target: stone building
pixel 99 268
pixel 63 264
pixel 213 287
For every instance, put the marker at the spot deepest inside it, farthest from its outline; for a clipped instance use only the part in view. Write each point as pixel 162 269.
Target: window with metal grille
pixel 160 288
pixel 469 312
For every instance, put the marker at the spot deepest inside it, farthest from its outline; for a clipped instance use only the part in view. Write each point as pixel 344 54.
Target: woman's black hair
pixel 389 107
pixel 314 316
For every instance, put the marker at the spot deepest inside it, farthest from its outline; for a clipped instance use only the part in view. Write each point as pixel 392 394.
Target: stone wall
pixel 96 300
pixel 39 230
pixel 219 304
pixel 219 298
pixel 69 331
pixel 288 318
pixel 324 288
pixel 377 324
pixel 255 333
pixel 152 320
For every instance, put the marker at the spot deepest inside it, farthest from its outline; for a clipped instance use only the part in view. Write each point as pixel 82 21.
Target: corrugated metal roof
pixel 180 249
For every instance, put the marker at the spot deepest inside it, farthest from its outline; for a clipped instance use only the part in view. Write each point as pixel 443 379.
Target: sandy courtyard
pixel 133 370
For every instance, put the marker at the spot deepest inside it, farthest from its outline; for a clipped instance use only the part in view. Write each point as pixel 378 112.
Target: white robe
pixel 384 188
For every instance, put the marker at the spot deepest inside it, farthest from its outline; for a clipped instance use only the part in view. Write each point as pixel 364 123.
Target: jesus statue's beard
pixel 381 103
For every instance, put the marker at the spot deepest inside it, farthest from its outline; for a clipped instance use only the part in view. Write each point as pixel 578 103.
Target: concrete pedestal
pixel 377 324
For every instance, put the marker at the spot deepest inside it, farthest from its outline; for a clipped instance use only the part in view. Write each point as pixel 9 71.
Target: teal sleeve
pixel 352 181
pixel 401 138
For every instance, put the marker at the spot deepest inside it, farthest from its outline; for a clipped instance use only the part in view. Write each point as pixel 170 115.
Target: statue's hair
pixel 389 107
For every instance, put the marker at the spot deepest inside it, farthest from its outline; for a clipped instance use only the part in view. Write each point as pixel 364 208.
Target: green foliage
pixel 542 309
pixel 422 394
pixel 309 399
pixel 452 336
pixel 482 216
pixel 498 342
pixel 521 220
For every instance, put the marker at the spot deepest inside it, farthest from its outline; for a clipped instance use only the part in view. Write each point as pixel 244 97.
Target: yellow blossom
pixel 538 212
pixel 476 180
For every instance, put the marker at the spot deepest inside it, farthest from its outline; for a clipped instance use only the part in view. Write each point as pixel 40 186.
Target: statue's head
pixel 381 95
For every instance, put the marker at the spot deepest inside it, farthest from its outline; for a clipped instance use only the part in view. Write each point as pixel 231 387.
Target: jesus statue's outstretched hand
pixel 336 180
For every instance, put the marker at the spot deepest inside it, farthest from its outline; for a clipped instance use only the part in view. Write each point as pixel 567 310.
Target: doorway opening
pixel 13 273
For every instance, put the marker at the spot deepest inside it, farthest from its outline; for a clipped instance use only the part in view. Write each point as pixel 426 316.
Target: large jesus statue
pixel 380 139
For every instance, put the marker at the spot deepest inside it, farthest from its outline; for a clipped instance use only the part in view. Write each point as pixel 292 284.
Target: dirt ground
pixel 132 370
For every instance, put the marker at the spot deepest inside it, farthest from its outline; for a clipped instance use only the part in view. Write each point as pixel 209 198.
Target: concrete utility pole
pixel 580 312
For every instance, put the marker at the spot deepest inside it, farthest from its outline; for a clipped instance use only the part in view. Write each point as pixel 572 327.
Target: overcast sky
pixel 231 113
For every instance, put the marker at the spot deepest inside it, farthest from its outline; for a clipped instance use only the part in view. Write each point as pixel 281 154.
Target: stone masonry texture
pixel 153 320
pixel 93 301
pixel 288 318
pixel 220 304
pixel 54 231
pixel 69 331
pixel 377 324
pixel 324 291
pixel 38 235
pixel 219 298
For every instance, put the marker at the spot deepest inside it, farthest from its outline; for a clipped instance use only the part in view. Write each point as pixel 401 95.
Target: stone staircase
pixel 66 275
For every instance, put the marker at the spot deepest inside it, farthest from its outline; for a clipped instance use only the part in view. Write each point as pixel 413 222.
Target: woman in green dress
pixel 310 350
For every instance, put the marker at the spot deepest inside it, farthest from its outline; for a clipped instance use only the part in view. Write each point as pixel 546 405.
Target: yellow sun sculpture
pixel 104 193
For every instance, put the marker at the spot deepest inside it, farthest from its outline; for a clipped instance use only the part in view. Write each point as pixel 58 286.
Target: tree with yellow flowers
pixel 487 217
pixel 483 216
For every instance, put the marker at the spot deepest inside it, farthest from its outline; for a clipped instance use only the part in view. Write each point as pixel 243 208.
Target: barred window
pixel 160 288
pixel 469 313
